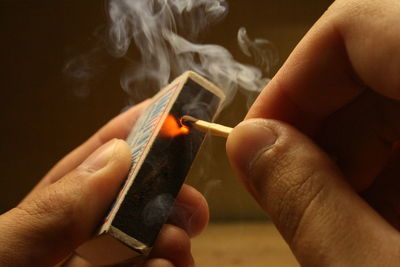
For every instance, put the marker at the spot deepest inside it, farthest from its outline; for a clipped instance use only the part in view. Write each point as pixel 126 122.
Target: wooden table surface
pixel 247 244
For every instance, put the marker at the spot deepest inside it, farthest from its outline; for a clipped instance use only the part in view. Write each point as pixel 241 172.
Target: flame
pixel 171 128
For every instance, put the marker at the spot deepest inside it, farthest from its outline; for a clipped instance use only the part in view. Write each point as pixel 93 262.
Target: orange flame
pixel 171 128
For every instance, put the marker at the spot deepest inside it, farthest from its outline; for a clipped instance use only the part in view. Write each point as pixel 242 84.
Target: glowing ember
pixel 171 128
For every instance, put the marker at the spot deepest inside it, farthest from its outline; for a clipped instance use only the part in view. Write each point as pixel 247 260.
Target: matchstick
pixel 206 127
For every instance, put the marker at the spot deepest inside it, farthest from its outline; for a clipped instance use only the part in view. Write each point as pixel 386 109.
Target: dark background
pixel 45 113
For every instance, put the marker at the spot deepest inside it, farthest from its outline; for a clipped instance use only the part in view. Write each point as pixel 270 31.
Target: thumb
pixel 304 193
pixel 49 224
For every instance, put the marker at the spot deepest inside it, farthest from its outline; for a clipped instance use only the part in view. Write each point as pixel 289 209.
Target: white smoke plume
pixel 164 33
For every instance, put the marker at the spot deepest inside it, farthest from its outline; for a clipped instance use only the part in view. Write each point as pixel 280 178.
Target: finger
pixel 158 263
pixel 316 80
pixel 172 248
pixel 190 211
pixel 356 134
pixel 383 195
pixel 75 261
pixel 364 26
pixel 118 127
pixel 173 244
pixel 336 60
pixel 305 195
pixel 52 222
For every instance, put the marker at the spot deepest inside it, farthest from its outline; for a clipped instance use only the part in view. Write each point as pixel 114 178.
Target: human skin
pixel 319 148
pixel 64 209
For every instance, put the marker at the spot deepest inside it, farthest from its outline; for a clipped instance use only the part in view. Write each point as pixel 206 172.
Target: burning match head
pixel 188 120
pixel 172 127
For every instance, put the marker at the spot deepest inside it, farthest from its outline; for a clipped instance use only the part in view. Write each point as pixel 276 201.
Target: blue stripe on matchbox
pixel 142 133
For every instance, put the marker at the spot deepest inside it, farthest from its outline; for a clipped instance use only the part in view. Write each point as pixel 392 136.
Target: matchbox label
pixel 141 136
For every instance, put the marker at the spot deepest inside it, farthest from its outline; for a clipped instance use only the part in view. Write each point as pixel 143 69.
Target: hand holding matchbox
pixel 164 143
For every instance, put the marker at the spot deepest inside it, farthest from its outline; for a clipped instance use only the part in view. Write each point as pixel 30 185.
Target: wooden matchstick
pixel 206 127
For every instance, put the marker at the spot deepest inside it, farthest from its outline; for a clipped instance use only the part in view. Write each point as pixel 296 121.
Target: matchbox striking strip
pixel 160 164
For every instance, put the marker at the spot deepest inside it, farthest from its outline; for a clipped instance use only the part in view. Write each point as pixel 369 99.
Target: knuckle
pixel 297 201
pixel 180 252
pixel 269 170
pixel 55 207
pixel 182 241
pixel 287 184
pixel 268 164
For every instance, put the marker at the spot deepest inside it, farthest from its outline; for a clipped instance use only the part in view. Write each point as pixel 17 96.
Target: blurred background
pixel 45 113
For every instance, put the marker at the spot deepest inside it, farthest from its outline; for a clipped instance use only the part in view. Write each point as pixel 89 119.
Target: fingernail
pixel 247 141
pixel 101 156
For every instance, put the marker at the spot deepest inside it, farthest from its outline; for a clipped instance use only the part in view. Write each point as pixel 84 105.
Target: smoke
pixel 262 51
pixel 157 210
pixel 164 33
pixel 84 69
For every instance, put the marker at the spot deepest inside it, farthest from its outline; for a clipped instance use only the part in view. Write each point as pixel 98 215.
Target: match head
pixel 188 120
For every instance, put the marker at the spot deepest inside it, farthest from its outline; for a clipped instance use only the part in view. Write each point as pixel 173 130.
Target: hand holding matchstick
pixel 206 127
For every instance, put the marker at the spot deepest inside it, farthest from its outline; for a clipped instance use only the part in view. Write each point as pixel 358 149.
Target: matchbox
pixel 162 154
